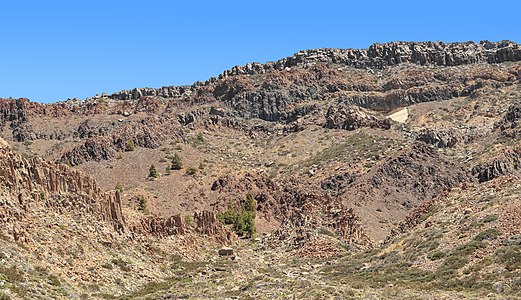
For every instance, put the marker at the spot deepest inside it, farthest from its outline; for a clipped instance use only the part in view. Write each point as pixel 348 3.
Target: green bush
pixel 200 137
pixel 245 223
pixel 189 219
pixel 228 217
pixel 143 206
pixel 119 187
pixel 192 170
pixel 489 218
pixel 130 146
pixel 243 219
pixel 177 163
pixel 510 257
pixel 152 172
pixel 436 255
pixel 489 234
pixel 469 248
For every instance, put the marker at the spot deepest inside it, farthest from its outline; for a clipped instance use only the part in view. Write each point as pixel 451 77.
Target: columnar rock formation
pixel 381 55
pixel 29 183
pixel 507 161
pixel 37 182
pixel 204 222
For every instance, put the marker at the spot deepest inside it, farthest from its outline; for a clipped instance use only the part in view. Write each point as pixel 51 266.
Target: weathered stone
pixel 350 117
pixel 225 251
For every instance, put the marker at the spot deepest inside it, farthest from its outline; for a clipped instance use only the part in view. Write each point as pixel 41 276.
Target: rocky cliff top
pixel 377 56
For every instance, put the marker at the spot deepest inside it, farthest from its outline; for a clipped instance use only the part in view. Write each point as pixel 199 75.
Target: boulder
pixel 225 251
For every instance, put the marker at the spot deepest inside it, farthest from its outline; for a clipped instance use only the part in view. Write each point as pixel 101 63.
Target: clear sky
pixel 54 50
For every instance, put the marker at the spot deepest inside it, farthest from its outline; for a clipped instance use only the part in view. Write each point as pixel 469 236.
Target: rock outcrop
pixel 506 162
pixel 382 55
pixel 149 133
pixel 400 184
pixel 205 223
pixel 438 138
pixel 351 117
pixel 34 182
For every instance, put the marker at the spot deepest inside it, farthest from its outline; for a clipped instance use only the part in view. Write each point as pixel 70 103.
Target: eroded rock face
pixel 149 133
pixel 350 117
pixel 400 184
pixel 300 212
pixel 509 123
pixel 34 182
pixel 388 54
pixel 507 162
pixel 27 184
pixel 310 215
pixel 337 183
pixel 205 223
pixel 438 138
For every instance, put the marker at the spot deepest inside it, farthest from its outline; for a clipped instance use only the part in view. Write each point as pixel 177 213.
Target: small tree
pixel 152 172
pixel 177 163
pixel 243 220
pixel 143 204
pixel 251 204
pixel 130 146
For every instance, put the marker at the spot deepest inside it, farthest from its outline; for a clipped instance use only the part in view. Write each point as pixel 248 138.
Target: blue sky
pixel 54 50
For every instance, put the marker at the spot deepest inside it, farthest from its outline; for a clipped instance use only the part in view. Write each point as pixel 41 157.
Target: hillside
pixel 378 173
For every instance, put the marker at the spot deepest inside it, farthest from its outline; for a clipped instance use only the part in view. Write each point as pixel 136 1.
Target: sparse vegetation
pixel 4 296
pixel 177 163
pixel 143 205
pixel 242 218
pixel 189 220
pixel 152 172
pixel 130 146
pixel 489 234
pixel 119 187
pixel 192 170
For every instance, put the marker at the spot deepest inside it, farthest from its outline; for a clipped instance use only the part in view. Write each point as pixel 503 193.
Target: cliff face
pixel 377 56
pixel 29 183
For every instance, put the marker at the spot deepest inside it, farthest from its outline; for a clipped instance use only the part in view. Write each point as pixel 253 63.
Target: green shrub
pixel 119 187
pixel 489 234
pixel 192 170
pixel 227 217
pixel 469 248
pixel 510 257
pixel 245 223
pixel 177 163
pixel 143 206
pixel 200 137
pixel 489 218
pixel 436 255
pixel 451 264
pixel 130 146
pixel 243 219
pixel 152 172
